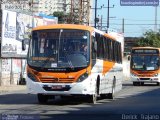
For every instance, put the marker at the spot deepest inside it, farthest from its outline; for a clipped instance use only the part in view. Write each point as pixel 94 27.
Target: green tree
pixel 67 18
pixel 150 38
pixel 60 16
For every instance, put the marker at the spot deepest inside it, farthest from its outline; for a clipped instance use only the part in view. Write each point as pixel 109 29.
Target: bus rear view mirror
pixel 129 57
pixel 23 45
pixel 95 46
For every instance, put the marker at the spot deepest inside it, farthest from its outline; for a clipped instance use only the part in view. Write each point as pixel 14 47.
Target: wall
pixel 11 70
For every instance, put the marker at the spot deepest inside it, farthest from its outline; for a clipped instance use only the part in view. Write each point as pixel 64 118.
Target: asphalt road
pixel 131 103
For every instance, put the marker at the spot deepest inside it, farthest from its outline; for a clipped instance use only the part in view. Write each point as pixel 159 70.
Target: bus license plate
pixel 56 87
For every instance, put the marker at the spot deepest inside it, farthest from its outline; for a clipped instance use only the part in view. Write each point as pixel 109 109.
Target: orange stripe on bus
pixel 107 66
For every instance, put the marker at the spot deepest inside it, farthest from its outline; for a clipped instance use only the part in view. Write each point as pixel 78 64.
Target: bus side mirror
pixel 95 46
pixel 129 57
pixel 23 45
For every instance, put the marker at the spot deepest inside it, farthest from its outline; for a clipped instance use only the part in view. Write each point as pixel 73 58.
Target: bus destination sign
pixel 145 51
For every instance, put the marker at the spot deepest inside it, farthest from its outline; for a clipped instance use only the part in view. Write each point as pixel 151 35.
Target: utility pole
pixel 95 19
pixel 108 6
pixel 108 17
pixel 155 26
pixel 101 21
pixel 123 25
pixel 95 14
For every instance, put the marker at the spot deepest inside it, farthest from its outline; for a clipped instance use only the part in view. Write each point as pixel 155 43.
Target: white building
pixel 50 6
pixel 37 6
pixel 47 7
pixel 15 5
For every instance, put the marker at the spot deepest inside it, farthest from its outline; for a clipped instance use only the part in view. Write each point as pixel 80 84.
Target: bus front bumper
pixel 145 79
pixel 79 88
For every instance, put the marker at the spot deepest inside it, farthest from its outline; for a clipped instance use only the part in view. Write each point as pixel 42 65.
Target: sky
pixel 137 19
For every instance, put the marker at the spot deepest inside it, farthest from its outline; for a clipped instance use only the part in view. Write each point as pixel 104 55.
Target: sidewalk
pixel 12 88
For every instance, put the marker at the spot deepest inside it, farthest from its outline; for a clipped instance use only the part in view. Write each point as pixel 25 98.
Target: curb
pixel 12 88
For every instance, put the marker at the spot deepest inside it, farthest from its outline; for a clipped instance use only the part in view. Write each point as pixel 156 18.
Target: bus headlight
pixel 82 77
pixel 32 77
pixel 134 75
pixel 156 75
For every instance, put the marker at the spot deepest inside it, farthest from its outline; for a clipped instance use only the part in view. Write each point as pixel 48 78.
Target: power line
pixel 139 20
pixel 130 24
pixel 128 19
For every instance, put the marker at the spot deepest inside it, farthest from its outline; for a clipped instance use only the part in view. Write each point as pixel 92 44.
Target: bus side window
pixel 99 40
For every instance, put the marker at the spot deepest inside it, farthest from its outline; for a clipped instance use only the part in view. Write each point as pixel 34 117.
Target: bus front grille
pixel 57 80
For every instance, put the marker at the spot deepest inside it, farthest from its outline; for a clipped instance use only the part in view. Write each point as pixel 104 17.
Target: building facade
pixel 81 8
pixel 37 6
pixel 50 6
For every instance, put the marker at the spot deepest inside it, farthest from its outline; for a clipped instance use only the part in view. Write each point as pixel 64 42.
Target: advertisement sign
pixel 139 2
pixel 17 27
pixel 9 44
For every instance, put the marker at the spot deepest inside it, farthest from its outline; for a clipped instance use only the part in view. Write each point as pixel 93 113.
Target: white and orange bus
pixel 144 65
pixel 73 60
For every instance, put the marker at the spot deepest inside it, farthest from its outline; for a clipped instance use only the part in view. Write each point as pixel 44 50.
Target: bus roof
pixel 65 26
pixel 73 26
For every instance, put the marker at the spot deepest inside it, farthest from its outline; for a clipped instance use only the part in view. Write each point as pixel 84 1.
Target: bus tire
pixel 136 83
pixel 142 83
pixel 42 98
pixel 98 85
pixel 103 96
pixel 112 95
pixel 158 83
pixel 93 98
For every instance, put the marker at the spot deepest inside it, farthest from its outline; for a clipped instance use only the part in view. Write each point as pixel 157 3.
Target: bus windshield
pixel 59 48
pixel 145 62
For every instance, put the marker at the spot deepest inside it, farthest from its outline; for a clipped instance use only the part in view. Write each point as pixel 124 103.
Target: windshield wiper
pixel 144 67
pixel 69 61
pixel 47 60
pixel 59 42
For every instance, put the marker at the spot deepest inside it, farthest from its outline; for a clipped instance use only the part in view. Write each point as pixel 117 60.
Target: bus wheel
pixel 112 95
pixel 136 83
pixel 142 83
pixel 158 83
pixel 93 98
pixel 42 98
pixel 103 96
